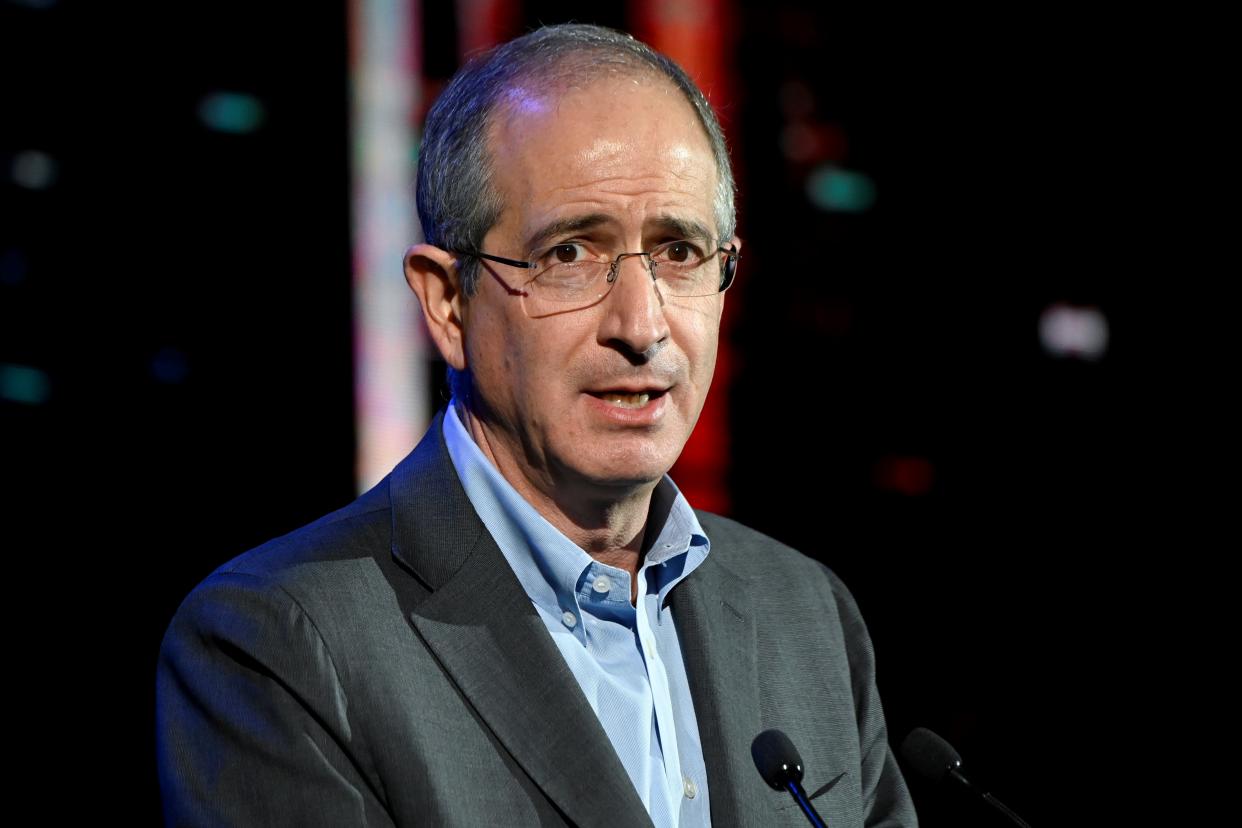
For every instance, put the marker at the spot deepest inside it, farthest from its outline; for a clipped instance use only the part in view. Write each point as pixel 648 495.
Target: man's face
pixel 627 161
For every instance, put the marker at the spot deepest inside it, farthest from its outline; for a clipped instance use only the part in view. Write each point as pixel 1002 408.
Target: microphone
pixel 931 757
pixel 781 767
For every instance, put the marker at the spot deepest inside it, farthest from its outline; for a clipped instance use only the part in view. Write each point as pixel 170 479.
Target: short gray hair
pixel 457 202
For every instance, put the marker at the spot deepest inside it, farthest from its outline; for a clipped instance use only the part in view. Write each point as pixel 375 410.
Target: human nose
pixel 634 308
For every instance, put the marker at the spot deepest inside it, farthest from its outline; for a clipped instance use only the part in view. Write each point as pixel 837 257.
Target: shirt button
pixel 569 619
pixel 687 785
pixel 602 584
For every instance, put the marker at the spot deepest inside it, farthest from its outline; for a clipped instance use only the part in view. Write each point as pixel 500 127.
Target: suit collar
pixel 480 625
pixel 716 627
pixel 434 527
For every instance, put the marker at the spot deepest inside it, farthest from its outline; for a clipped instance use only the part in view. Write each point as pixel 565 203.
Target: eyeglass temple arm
pixel 502 260
pixel 512 291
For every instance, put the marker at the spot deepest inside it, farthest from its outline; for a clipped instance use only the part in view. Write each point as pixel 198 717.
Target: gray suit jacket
pixel 383 666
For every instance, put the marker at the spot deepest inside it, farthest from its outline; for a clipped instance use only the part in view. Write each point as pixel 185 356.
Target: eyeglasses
pixel 575 275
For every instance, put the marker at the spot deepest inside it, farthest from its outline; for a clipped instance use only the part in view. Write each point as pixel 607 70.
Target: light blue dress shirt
pixel 627 659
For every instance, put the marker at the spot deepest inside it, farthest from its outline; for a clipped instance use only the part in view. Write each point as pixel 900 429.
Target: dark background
pixel 186 295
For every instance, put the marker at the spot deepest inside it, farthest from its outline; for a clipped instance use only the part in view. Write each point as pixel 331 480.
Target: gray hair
pixel 457 203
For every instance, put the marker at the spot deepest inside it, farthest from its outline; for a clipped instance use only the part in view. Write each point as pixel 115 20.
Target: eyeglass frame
pixel 728 272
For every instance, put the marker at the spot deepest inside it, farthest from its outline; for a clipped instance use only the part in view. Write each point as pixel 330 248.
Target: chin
pixel 619 460
pixel 623 475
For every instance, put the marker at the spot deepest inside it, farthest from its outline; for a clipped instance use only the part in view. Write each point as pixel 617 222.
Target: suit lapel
pixel 480 625
pixel 715 625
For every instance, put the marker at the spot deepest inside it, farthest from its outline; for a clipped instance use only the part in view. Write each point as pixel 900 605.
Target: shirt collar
pixel 550 566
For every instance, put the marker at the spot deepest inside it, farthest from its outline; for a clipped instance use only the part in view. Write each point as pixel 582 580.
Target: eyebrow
pixel 565 226
pixel 679 227
pixel 683 228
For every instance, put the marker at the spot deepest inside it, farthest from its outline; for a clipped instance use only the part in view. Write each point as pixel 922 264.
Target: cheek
pixel 553 352
pixel 701 334
pixel 705 367
pixel 490 353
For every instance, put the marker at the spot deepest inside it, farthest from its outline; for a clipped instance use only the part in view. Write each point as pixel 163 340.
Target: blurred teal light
pixel 34 170
pixel 234 112
pixel 840 191
pixel 23 384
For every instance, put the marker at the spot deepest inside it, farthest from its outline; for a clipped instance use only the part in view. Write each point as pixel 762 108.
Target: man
pixel 525 623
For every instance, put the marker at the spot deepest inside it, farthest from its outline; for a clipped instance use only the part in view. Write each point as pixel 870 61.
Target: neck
pixel 608 522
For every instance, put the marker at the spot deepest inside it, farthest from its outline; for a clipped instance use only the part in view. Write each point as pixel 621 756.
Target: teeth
pixel 626 400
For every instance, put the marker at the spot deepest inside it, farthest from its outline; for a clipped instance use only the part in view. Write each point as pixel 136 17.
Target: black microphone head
pixel 776 758
pixel 930 756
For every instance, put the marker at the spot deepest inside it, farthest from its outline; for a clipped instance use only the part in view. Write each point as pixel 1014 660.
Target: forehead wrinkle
pixel 691 184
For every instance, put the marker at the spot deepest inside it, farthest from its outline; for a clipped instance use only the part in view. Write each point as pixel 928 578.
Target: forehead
pixel 629 149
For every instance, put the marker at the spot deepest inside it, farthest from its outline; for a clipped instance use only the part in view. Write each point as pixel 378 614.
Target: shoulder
pixel 753 555
pixel 347 538
pixel 777 572
pixel 352 531
pixel 739 541
pixel 302 571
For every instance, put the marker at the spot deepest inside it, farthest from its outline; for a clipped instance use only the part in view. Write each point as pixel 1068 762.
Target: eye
pixel 564 254
pixel 682 251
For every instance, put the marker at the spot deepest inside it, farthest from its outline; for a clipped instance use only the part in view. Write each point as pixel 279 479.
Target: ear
pixel 432 274
pixel 736 244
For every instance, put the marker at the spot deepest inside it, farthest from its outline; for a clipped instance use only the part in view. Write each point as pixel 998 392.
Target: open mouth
pixel 626 399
